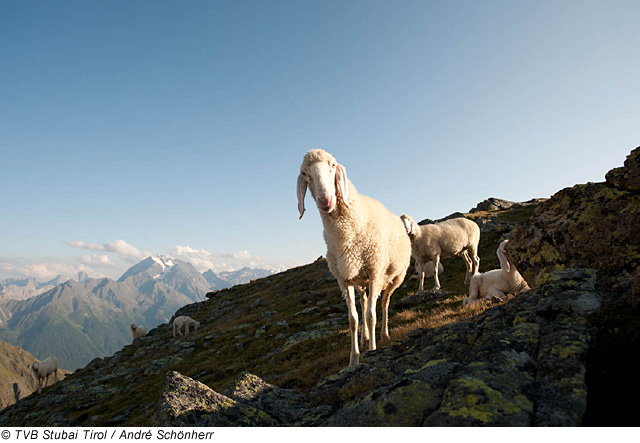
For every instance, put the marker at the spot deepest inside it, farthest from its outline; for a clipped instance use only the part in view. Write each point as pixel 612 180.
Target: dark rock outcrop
pixel 497 204
pixel 595 225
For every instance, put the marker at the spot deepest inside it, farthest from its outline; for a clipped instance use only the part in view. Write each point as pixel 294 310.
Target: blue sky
pixel 178 128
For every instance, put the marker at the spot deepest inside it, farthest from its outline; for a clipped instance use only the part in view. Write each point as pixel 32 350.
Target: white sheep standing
pixel 137 331
pixel 183 323
pixel 43 369
pixel 366 243
pixel 449 238
pixel 498 282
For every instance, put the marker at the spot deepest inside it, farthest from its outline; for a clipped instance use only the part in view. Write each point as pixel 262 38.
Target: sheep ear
pixel 302 190
pixel 409 224
pixel 342 183
pixel 504 262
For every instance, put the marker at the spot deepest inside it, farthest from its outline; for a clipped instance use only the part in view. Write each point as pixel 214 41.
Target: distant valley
pixel 83 318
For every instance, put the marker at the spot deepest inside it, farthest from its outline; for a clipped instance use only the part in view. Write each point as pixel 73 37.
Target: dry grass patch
pixel 444 313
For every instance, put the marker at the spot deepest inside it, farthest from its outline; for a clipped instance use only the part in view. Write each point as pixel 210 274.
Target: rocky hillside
pixel 16 379
pixel 274 351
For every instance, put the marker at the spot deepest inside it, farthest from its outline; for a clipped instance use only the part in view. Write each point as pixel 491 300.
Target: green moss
pixel 429 364
pixel 476 400
pixel 407 405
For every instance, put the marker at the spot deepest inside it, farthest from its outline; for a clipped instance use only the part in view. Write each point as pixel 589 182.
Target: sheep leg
pixel 386 299
pixel 374 292
pixel 422 266
pixel 469 264
pixel 364 330
pixel 350 297
pixel 476 261
pixel 474 291
pixel 495 293
pixel 436 263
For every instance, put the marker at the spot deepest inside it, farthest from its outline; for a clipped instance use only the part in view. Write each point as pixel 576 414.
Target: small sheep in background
pixel 428 270
pixel 497 283
pixel 366 243
pixel 449 238
pixel 43 369
pixel 137 331
pixel 183 323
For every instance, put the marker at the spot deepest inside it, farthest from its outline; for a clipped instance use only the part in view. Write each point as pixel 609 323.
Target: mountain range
pixel 83 318
pixel 23 288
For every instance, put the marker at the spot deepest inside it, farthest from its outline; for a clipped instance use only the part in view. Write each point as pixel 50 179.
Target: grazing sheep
pixel 43 369
pixel 183 322
pixel 137 331
pixel 497 283
pixel 366 243
pixel 449 238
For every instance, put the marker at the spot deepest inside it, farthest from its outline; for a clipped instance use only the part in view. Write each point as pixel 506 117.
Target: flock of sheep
pixel 43 369
pixel 369 249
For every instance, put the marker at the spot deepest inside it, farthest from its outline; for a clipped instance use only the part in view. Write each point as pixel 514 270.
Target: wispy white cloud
pixel 97 260
pixel 127 251
pixel 42 271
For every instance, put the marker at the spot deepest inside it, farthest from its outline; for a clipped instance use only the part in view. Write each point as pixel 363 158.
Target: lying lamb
pixel 43 369
pixel 183 323
pixel 497 283
pixel 449 238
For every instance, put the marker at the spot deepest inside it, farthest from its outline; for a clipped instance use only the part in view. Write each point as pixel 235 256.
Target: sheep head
pixel 504 261
pixel 133 326
pixel 409 224
pixel 35 367
pixel 326 179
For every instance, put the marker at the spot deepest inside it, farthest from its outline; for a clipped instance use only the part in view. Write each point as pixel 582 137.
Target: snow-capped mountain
pixel 226 279
pixel 84 318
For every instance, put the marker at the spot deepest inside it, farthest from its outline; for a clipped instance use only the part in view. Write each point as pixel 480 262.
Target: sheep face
pixel 325 178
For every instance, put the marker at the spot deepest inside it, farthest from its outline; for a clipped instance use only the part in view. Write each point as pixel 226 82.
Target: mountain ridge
pixel 80 320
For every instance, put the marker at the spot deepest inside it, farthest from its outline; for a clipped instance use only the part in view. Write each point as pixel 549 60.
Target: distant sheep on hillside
pixel 183 323
pixel 137 331
pixel 42 370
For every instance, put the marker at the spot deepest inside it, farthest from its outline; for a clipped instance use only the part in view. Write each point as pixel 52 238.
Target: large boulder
pixel 187 402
